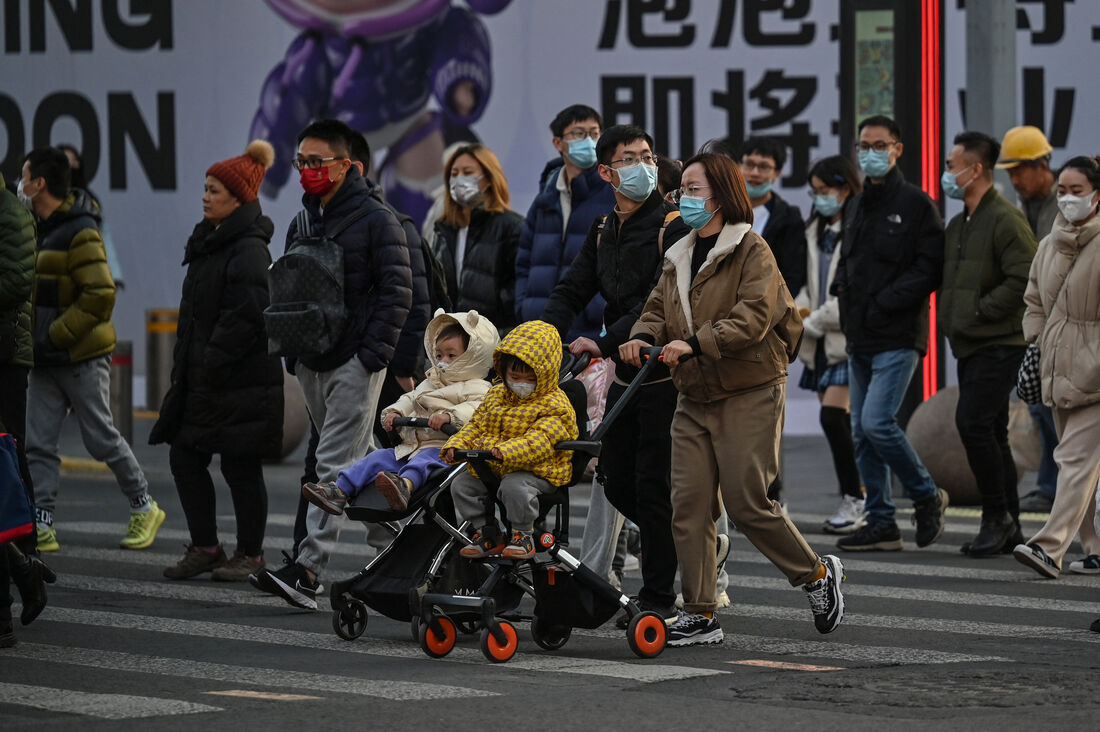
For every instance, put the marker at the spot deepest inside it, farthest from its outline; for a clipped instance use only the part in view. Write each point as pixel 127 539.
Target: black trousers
pixel 245 476
pixel 13 417
pixel 636 461
pixel 986 378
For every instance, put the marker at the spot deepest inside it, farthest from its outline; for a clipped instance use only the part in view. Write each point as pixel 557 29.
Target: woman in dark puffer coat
pixel 477 237
pixel 227 393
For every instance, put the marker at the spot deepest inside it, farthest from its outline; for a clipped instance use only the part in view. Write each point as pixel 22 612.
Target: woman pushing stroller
pixel 460 345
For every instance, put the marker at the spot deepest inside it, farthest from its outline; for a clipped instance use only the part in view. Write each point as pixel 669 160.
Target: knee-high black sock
pixel 837 425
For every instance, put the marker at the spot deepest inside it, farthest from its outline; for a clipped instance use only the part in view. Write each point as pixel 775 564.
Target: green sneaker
pixel 143 527
pixel 47 540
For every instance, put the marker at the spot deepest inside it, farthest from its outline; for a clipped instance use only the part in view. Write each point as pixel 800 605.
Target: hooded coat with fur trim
pixel 737 306
pixel 525 430
pixel 456 391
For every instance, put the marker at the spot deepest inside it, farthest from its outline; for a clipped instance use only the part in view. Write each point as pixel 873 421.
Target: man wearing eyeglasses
pixel 341 386
pixel 761 160
pixel 571 195
pixel 889 265
pixel 621 261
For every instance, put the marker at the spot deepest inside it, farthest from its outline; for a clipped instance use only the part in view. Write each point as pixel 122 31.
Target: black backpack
pixel 307 315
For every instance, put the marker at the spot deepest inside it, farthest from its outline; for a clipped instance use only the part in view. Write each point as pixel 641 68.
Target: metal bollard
pixel 160 341
pixel 122 389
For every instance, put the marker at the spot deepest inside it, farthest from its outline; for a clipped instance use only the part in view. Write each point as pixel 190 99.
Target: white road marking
pixel 103 706
pixel 265 677
pixel 642 670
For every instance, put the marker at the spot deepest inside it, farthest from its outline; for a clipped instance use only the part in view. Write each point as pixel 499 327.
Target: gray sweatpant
pixel 519 492
pixel 83 387
pixel 601 532
pixel 342 403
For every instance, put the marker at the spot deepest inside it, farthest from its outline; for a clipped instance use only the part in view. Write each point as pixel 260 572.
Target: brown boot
pixel 195 561
pixel 238 567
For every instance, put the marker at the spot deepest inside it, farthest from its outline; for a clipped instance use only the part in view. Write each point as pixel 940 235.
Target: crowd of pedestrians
pixel 620 250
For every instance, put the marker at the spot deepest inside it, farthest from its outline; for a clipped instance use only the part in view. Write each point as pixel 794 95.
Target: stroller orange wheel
pixel 646 634
pixel 493 649
pixel 434 645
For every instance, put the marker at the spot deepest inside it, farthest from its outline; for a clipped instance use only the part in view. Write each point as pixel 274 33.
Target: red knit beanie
pixel 243 174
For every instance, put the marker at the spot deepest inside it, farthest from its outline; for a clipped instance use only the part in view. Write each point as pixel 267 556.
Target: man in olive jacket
pixel 74 296
pixel 988 250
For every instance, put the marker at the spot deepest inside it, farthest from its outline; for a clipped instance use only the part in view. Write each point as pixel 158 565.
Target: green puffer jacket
pixel 74 293
pixel 986 263
pixel 17 237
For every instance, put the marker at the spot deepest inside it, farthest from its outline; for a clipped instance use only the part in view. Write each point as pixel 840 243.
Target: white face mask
pixel 1076 208
pixel 442 366
pixel 465 189
pixel 521 390
pixel 26 200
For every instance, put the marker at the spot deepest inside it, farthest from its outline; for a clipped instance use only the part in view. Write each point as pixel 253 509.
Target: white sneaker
pixel 723 600
pixel 849 517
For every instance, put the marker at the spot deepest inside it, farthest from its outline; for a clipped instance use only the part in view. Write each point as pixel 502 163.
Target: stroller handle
pixel 651 355
pixel 421 423
pixel 472 455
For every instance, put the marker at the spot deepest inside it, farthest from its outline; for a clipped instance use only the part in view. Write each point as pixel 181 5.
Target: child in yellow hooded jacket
pixel 520 419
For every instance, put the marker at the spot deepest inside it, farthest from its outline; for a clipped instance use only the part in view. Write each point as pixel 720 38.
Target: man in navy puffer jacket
pixel 571 196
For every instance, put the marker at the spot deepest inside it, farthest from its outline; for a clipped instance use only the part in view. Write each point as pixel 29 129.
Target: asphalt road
pixel 931 640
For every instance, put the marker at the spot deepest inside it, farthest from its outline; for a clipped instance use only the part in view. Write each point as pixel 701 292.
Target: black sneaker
pixel 691 629
pixel 928 517
pixel 826 600
pixel 1032 556
pixel 669 614
pixel 995 531
pixel 876 537
pixel 291 583
pixel 1095 627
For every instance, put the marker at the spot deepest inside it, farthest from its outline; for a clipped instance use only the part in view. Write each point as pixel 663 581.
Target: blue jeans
pixel 1047 480
pixel 355 479
pixel 877 384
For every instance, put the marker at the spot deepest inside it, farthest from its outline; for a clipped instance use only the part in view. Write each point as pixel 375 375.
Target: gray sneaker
pixel 1036 502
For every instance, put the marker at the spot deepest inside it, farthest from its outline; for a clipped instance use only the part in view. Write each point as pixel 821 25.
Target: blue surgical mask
pixel 582 152
pixel 828 205
pixel 694 213
pixel 520 389
pixel 760 190
pixel 875 163
pixel 950 184
pixel 637 181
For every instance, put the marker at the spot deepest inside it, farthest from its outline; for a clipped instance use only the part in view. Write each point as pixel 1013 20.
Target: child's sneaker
pixel 394 489
pixel 326 496
pixel 487 541
pixel 522 546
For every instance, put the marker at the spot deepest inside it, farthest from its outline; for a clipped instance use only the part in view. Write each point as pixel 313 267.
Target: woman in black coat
pixel 477 237
pixel 227 393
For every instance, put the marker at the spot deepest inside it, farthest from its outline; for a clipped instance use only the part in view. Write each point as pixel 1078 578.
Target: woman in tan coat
pixel 1063 318
pixel 729 328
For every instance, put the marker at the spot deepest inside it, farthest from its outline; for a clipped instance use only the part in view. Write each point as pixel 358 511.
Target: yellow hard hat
pixel 1022 144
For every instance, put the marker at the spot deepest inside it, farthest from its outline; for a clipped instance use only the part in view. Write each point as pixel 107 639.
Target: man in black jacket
pixel 888 267
pixel 342 386
pixel 403 368
pixel 621 260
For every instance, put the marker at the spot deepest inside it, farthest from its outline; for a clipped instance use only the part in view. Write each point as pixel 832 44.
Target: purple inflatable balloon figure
pixel 375 64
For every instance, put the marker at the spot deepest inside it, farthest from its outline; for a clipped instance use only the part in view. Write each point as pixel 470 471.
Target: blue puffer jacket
pixel 543 258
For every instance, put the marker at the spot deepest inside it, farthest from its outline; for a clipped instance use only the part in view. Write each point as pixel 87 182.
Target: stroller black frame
pixel 441 613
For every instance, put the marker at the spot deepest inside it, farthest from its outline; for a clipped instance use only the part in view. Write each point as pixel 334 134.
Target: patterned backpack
pixel 307 315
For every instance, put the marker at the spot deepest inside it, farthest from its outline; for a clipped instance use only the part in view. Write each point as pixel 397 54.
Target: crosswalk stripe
pixel 102 706
pixel 971 571
pixel 265 677
pixel 645 671
pixel 975 599
pixel 878 655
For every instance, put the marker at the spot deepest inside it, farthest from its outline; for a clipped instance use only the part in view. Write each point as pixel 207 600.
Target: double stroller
pixel 420 577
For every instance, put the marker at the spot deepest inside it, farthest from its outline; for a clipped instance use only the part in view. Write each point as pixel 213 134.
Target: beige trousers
pixel 1078 458
pixel 733 443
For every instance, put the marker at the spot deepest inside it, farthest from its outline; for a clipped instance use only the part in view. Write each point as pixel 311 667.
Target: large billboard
pixel 154 91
